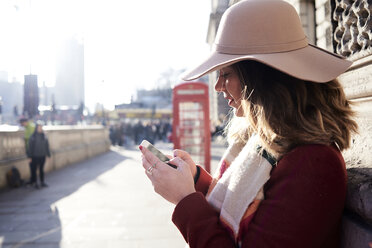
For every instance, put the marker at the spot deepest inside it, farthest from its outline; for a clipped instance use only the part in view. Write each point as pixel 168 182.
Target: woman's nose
pixel 219 84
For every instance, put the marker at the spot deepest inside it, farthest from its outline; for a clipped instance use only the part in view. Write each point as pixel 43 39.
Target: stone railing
pixel 68 144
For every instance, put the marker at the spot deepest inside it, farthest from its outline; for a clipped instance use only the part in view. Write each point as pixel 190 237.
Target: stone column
pixel 323 24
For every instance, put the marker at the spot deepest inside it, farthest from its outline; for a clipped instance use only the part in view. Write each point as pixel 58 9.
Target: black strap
pixel 270 158
pixel 197 175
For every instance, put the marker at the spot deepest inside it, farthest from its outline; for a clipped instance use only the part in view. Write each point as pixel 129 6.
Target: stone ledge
pixel 356 81
pixel 359 193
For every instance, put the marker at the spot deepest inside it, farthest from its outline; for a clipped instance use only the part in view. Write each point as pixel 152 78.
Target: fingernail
pixel 140 147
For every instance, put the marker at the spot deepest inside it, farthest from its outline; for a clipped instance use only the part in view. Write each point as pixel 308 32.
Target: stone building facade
pixel 343 27
pixel 351 23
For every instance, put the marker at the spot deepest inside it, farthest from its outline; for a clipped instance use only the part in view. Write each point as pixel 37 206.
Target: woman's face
pixel 228 83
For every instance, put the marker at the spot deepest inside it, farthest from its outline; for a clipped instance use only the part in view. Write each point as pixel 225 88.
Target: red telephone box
pixel 191 124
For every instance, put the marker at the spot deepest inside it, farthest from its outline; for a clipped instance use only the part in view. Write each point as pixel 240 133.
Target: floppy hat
pixel 269 31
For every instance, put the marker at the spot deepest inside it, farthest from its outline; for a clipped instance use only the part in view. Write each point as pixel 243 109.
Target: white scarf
pixel 241 183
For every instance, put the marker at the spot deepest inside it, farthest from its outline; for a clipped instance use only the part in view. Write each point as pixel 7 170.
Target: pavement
pixel 106 201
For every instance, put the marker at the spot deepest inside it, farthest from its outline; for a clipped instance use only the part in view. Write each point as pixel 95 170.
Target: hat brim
pixel 310 63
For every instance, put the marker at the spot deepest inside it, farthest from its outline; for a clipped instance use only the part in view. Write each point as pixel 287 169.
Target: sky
pixel 128 44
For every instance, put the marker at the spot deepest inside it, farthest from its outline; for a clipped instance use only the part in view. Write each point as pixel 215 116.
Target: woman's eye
pixel 225 75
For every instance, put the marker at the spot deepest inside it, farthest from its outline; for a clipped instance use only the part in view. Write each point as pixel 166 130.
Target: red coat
pixel 303 205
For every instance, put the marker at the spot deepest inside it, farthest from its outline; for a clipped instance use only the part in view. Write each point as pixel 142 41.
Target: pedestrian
pixel 282 180
pixel 112 134
pixel 38 151
pixel 29 128
pixel 139 132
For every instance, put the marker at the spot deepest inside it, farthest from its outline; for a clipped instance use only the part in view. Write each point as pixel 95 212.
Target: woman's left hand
pixel 172 184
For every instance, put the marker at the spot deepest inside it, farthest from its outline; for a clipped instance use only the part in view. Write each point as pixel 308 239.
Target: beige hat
pixel 269 31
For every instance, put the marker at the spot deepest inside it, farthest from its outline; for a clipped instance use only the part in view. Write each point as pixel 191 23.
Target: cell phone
pixel 157 153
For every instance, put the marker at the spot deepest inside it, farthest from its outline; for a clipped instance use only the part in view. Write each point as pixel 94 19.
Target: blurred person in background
pixel 38 151
pixel 29 128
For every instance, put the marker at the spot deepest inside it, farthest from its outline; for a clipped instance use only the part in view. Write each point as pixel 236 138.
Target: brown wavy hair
pixel 287 112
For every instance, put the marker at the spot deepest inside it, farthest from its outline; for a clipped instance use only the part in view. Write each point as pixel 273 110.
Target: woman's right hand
pixel 185 156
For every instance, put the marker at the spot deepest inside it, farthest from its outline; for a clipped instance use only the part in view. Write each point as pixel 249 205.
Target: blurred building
pixel 69 87
pixel 11 95
pixel 3 76
pixel 156 103
pixel 30 96
pixel 46 94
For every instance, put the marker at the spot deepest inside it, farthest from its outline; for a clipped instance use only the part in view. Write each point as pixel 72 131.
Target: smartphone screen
pixel 156 152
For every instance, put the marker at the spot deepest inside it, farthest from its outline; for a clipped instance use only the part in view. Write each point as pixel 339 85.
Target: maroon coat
pixel 303 205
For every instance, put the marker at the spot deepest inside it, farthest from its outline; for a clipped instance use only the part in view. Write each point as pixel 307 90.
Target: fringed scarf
pixel 237 188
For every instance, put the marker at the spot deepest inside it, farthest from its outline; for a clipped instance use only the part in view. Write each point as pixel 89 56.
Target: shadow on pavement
pixel 28 217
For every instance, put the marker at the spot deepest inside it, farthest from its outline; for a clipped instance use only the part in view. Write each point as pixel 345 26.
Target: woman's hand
pixel 172 184
pixel 187 158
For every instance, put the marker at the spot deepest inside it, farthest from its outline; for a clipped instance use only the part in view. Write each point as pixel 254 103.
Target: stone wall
pixel 351 37
pixel 357 225
pixel 67 144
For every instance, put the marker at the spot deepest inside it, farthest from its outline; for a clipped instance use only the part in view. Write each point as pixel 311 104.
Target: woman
pixel 38 151
pixel 282 181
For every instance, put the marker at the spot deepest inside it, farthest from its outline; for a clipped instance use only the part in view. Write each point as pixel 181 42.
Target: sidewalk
pixel 103 202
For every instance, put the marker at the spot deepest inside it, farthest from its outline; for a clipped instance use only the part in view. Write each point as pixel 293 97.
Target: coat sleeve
pixel 199 223
pixel 204 181
pixel 30 146
pixel 47 148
